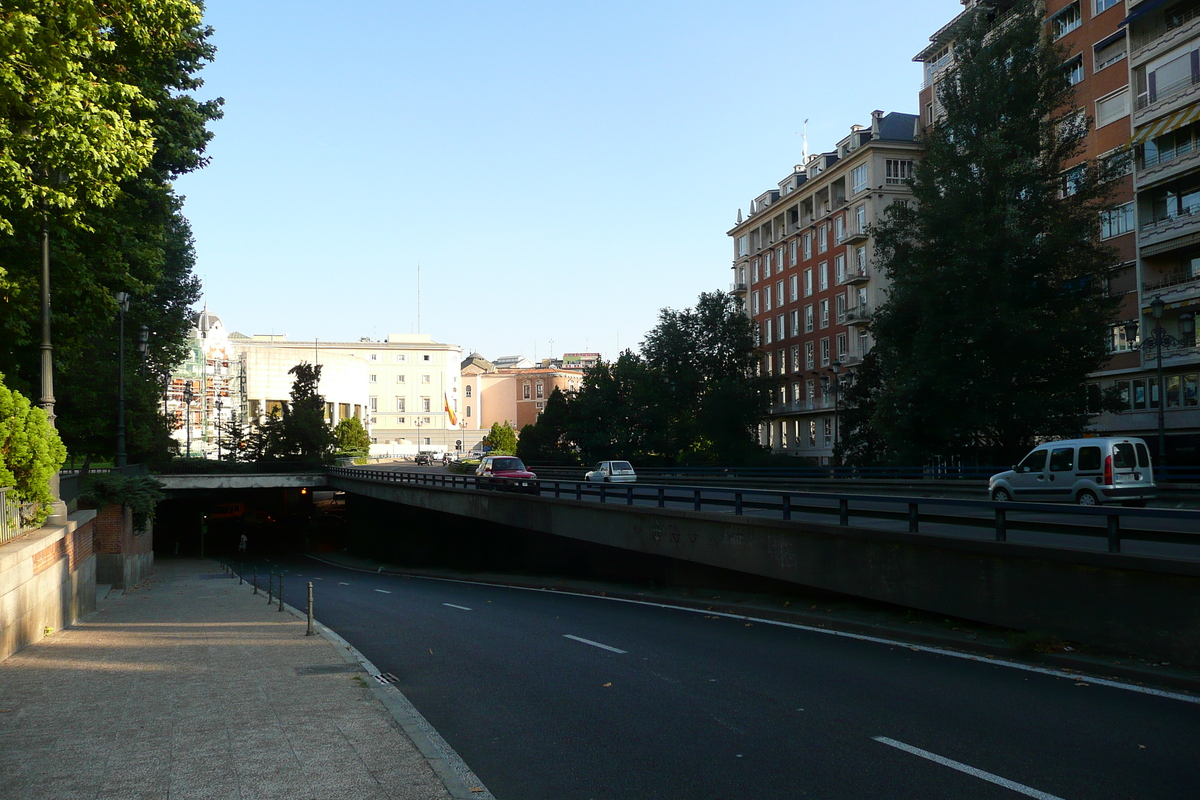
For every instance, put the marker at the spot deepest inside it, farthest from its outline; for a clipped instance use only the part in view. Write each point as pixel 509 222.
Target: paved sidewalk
pixel 191 687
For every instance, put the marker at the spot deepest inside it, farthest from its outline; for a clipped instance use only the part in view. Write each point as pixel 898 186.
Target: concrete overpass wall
pixel 1143 605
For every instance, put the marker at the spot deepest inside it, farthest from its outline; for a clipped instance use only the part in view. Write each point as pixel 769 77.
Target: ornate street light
pixel 218 404
pixel 188 397
pixel 1159 338
pixel 59 508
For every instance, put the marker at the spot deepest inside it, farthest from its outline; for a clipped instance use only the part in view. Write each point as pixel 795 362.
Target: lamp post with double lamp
pixel 1158 339
pixel 122 307
pixel 58 514
pixel 218 405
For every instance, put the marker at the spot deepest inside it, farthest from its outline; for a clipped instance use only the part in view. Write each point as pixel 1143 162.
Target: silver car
pixel 1084 471
pixel 611 472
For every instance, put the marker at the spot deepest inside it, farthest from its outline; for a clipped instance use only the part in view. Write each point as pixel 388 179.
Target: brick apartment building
pixel 802 261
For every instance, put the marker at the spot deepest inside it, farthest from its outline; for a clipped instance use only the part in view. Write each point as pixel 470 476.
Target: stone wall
pixel 124 556
pixel 47 582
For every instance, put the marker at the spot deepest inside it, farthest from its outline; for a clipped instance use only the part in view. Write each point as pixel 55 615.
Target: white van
pixel 1084 471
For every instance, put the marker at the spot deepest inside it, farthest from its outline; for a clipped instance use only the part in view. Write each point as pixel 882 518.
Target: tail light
pixel 1108 475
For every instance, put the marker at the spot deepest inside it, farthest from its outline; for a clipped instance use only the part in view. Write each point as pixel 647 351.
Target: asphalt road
pixel 558 696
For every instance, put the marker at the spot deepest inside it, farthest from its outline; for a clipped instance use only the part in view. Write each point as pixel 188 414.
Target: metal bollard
pixel 281 591
pixel 270 585
pixel 309 632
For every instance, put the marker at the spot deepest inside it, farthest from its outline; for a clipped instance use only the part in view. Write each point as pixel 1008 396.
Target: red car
pixel 505 472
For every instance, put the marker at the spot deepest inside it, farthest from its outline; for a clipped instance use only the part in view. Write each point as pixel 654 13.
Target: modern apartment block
pixel 802 262
pixel 1133 67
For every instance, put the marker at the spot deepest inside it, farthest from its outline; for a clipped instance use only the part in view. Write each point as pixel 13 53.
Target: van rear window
pixel 1143 456
pixel 1123 456
pixel 1089 459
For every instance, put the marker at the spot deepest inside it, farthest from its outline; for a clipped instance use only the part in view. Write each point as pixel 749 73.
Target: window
pixel 779 258
pixel 540 389
pixel 401 358
pixel 807 246
pixel 769 336
pixel 795 365
pixel 1117 221
pixel 767 266
pixel 754 271
pixel 373 404
pixel 839 268
pixel 843 346
pixel 1062 459
pixel 468 411
pixel 823 269
pixel 426 378
pixel 401 378
pixel 862 343
pixel 1112 108
pixel 1109 51
pixel 825 313
pixel 425 404
pixel 794 328
pixel 1104 5
pixel 468 390
pixel 1074 70
pixel 1066 20
pixel 424 358
pixel 779 293
pixel 860 219
pixel 525 391
pixel 822 238
pixel 400 404
pixel 897 171
pixel 809 362
pixel 781 362
pixel 1072 179
pixel 374 379
pixel 858 178
pixel 841 309
pixel 825 352
pixel 374 356
pixel 1118 341
pixel 812 429
pixel 794 288
pixel 828 426
pixel 808 319
pixel 860 259
pixel 839 228
pixel 1165 77
pixel 754 302
pixel 793 252
pixel 743 246
pixel 779 327
pixel 766 298
pixel 808 282
pixel 399 421
pixel 1089 458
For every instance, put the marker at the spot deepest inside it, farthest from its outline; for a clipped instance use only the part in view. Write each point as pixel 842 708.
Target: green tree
pixel 352 438
pixel 502 439
pixel 30 452
pixel 548 441
pixel 306 435
pixel 997 308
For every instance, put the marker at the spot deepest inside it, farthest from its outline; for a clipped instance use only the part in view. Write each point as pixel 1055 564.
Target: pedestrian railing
pixel 1115 524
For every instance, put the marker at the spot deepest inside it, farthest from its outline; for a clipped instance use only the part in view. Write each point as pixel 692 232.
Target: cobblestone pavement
pixel 189 686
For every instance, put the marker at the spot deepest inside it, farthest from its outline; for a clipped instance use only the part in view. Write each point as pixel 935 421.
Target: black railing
pixel 1113 523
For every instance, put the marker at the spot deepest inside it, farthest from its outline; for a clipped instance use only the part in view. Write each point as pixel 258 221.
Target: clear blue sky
pixel 560 171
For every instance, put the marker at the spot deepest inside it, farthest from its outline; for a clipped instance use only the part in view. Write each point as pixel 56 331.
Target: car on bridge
pixel 1089 472
pixel 506 472
pixel 611 472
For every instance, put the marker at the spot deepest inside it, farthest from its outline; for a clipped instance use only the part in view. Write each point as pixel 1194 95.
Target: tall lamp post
pixel 122 307
pixel 218 404
pixel 188 397
pixel 58 515
pixel 1158 339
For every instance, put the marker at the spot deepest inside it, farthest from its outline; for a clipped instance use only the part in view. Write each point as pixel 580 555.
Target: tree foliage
pixel 30 451
pixel 691 394
pixel 502 439
pixel 352 438
pixel 997 308
pixel 102 92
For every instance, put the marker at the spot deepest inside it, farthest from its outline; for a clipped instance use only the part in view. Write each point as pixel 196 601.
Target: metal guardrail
pixel 1000 518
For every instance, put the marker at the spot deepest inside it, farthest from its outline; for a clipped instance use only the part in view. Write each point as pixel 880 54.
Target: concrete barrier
pixel 1119 602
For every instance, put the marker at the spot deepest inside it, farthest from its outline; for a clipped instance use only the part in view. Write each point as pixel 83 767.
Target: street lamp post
pixel 218 404
pixel 58 515
pixel 122 307
pixel 188 397
pixel 1159 338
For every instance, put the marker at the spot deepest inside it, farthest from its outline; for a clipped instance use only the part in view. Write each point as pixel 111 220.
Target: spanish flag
pixel 449 411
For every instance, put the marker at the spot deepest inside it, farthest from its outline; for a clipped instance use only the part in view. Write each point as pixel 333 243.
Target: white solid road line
pixel 451 605
pixel 593 644
pixel 383 591
pixel 958 765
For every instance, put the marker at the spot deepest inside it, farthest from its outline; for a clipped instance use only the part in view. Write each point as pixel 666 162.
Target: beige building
pixel 803 264
pixel 515 396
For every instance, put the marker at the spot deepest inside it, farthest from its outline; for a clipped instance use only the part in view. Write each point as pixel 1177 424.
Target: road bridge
pixel 1012 565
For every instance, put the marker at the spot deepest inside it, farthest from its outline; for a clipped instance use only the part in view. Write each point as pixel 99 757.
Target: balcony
pixel 856 237
pixel 738 289
pixel 1162 231
pixel 1165 166
pixel 858 316
pixel 1152 39
pixel 1169 98
pixel 854 277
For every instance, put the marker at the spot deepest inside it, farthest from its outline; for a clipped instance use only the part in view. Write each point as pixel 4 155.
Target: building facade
pixel 802 263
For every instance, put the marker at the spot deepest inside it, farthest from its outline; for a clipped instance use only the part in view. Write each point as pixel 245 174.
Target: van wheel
pixel 1086 498
pixel 1001 496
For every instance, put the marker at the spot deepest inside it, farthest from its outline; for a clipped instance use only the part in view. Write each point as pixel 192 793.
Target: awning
pixel 1189 240
pixel 1149 5
pixel 1171 122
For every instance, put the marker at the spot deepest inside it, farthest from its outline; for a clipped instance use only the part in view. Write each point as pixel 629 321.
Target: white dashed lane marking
pixel 451 605
pixel 383 591
pixel 594 644
pixel 961 767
